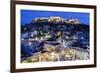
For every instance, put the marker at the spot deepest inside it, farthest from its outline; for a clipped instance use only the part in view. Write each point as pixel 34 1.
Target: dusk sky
pixel 28 15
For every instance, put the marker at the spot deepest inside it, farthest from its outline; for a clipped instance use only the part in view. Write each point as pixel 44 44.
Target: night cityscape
pixel 54 38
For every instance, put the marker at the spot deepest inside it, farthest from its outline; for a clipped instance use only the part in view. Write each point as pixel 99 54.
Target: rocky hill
pixel 53 31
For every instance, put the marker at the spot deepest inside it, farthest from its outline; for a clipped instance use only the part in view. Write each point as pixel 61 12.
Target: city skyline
pixel 28 15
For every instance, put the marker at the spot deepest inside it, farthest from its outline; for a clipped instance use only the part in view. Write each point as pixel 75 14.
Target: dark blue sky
pixel 28 15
